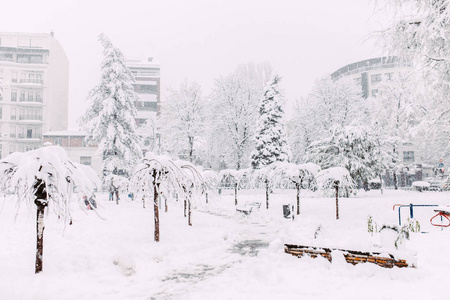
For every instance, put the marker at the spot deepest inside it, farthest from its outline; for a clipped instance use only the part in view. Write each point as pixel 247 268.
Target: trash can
pixel 287 211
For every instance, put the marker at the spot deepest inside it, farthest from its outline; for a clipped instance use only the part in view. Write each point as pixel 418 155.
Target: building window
pixel 57 141
pixel 22 96
pixel 408 156
pixel 14 77
pixel 374 93
pixel 85 160
pixel 12 132
pixel 13 96
pixel 375 78
pixel 1 113
pixel 13 113
pixel 12 148
pixel 389 76
pixel 38 96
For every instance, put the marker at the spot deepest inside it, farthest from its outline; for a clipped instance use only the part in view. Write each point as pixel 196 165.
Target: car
pixel 438 185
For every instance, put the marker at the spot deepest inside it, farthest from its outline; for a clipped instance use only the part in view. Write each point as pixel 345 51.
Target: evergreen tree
pixel 109 120
pixel 270 140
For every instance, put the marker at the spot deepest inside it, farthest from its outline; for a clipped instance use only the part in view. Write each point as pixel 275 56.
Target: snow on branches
pixel 20 170
pixel 270 139
pixel 109 119
pixel 157 174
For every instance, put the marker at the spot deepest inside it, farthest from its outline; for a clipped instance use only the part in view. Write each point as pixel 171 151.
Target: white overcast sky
pixel 202 39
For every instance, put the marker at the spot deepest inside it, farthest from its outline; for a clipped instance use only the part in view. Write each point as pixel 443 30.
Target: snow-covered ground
pixel 225 254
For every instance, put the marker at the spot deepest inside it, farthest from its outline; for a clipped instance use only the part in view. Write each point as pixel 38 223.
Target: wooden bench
pixel 247 208
pixel 351 256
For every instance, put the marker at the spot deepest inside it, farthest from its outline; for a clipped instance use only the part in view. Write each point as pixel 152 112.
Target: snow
pixel 225 254
pixel 421 184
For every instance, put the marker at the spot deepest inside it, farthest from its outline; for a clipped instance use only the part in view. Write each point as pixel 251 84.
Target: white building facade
pixel 35 72
pixel 370 72
pixel 148 87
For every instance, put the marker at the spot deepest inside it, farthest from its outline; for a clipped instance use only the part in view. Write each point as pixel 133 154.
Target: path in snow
pixel 250 237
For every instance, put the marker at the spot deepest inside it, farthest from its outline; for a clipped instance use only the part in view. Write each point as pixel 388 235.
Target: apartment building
pixel 147 86
pixel 370 72
pixel 35 72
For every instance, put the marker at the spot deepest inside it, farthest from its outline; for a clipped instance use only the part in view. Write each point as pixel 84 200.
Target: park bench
pixel 247 208
pixel 351 256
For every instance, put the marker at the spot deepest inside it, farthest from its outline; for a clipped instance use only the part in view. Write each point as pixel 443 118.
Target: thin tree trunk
pixel 39 234
pixel 395 181
pixel 206 197
pixel 185 208
pixel 337 200
pixel 189 213
pixel 166 208
pixel 117 197
pixel 267 194
pixel 381 184
pixel 155 208
pixel 143 202
pixel 235 193
pixel 298 185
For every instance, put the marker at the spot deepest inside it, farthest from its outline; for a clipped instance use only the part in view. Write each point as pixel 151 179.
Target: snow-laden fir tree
pixel 109 119
pixel 270 140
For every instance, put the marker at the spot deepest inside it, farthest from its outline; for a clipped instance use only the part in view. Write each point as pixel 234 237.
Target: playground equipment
pixel 443 213
pixel 411 210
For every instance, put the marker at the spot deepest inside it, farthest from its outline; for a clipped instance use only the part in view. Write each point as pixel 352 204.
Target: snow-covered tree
pixel 331 102
pixel 237 176
pixel 297 174
pixel 183 119
pixel 354 148
pixel 156 174
pixel 338 178
pixel 150 134
pixel 420 32
pixel 396 112
pixel 234 111
pixel 45 177
pixel 109 120
pixel 270 139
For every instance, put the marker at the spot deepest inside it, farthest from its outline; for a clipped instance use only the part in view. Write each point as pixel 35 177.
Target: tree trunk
pixel 143 202
pixel 298 185
pixel 166 208
pixel 189 213
pixel 336 186
pixel 155 209
pixel 381 184
pixel 235 193
pixel 395 181
pixel 117 197
pixel 185 208
pixel 40 204
pixel 267 194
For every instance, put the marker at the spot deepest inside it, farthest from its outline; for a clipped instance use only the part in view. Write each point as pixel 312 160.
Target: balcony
pixel 22 136
pixel 30 118
pixel 32 81
pixel 30 99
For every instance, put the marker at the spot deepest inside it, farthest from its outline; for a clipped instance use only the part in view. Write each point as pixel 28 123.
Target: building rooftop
pixel 371 64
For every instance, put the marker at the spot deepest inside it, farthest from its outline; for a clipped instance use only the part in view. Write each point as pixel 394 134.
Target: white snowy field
pixel 224 255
